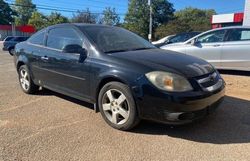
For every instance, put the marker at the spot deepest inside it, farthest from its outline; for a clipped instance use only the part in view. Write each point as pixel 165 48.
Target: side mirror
pixel 194 42
pixel 73 48
pixel 76 49
pixel 167 41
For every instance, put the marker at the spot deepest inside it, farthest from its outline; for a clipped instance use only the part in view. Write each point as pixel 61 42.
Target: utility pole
pixel 150 20
pixel 13 29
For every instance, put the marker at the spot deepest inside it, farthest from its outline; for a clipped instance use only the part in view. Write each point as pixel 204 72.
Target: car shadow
pixel 228 125
pixel 46 92
pixel 234 72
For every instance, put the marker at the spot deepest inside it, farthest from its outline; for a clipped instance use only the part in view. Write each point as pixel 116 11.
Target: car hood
pixel 164 60
pixel 180 44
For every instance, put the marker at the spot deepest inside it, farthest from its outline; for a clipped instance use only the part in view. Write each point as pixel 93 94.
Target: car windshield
pixel 114 39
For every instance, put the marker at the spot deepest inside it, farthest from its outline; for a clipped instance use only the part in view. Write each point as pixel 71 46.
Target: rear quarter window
pixel 239 35
pixel 38 38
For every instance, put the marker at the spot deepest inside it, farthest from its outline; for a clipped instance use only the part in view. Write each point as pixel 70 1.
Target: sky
pixel 97 6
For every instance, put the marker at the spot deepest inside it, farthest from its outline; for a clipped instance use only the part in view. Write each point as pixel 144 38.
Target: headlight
pixel 169 81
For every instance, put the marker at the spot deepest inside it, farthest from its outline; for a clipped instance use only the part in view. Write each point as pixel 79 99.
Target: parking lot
pixel 50 126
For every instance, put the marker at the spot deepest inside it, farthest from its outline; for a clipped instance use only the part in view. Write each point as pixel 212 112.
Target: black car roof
pixel 78 25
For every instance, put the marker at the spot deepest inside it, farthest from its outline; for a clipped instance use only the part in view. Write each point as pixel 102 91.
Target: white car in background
pixel 162 40
pixel 225 48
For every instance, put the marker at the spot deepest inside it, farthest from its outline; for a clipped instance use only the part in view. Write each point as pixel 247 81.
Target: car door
pixel 208 47
pixel 33 51
pixel 236 50
pixel 63 72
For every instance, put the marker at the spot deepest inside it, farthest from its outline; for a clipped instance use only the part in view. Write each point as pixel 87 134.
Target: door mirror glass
pixel 73 48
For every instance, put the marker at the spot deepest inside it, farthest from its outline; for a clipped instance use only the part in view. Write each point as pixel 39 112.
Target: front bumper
pixel 177 108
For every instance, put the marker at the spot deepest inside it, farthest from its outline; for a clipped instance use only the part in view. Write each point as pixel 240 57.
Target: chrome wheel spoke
pixel 110 96
pixel 114 118
pixel 25 76
pixel 26 82
pixel 123 113
pixel 22 73
pixel 121 99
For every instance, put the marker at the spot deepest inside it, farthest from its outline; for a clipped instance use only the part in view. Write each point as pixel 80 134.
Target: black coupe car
pixel 123 75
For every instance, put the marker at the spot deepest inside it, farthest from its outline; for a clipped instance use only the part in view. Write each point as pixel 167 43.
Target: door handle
pixel 44 58
pixel 217 45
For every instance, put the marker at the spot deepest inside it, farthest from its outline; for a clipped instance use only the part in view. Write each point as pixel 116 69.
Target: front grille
pixel 210 82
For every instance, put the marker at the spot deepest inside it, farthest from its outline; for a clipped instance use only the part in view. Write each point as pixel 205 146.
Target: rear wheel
pixel 117 106
pixel 11 51
pixel 25 80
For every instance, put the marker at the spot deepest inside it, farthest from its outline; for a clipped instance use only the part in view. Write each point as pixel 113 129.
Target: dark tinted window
pixel 183 37
pixel 38 38
pixel 8 38
pixel 58 38
pixel 114 39
pixel 211 37
pixel 23 38
pixel 19 39
pixel 239 35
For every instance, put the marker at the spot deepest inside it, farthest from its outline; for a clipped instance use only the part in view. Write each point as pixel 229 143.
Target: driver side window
pixel 58 38
pixel 212 37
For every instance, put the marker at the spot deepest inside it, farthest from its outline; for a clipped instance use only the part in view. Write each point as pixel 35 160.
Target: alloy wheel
pixel 24 79
pixel 115 106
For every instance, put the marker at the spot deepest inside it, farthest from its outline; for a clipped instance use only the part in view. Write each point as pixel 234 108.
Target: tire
pixel 117 106
pixel 11 51
pixel 26 81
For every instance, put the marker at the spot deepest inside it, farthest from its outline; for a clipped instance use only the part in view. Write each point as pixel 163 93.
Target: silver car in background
pixel 225 48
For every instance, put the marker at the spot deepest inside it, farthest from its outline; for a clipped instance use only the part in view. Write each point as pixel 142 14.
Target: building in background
pixel 224 20
pixel 246 21
pixel 9 30
pixel 233 19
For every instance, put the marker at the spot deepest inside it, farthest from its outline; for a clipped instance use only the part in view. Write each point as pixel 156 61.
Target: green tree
pixel 137 18
pixel 24 9
pixel 186 20
pixel 84 17
pixel 38 20
pixel 196 19
pixel 173 27
pixel 6 13
pixel 56 18
pixel 110 17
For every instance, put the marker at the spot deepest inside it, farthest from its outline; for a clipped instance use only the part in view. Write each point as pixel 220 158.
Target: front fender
pixel 125 76
pixel 21 59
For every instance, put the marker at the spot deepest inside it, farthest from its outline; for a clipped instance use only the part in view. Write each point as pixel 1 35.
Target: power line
pixel 76 4
pixel 58 9
pixel 105 3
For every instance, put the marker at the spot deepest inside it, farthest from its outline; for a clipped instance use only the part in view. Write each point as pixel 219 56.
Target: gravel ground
pixel 50 126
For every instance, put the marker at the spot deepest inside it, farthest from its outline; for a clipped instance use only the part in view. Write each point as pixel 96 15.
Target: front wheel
pixel 117 106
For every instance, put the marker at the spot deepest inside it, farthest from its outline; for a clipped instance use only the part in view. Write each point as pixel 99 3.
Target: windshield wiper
pixel 124 50
pixel 143 48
